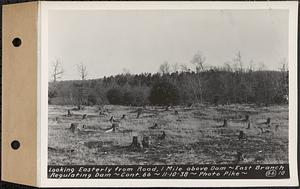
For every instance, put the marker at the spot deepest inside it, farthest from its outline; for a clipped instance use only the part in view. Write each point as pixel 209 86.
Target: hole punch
pixel 15 144
pixel 17 42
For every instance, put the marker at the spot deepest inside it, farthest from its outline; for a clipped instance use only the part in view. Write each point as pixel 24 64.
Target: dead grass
pixel 193 137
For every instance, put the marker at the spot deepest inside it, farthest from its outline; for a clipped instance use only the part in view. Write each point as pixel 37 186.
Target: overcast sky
pixel 140 41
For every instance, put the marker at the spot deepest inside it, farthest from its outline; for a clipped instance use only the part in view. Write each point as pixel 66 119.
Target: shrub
pixel 134 97
pixel 52 94
pixel 114 96
pixel 91 100
pixel 128 98
pixel 164 93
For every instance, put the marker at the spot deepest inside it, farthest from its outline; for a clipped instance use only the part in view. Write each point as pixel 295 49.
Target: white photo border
pixel 44 7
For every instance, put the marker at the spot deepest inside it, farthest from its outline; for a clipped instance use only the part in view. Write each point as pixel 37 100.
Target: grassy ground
pixel 194 136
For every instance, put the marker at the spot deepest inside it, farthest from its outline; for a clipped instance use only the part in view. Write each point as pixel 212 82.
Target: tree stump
pixel 240 157
pixel 84 116
pixel 268 122
pixel 242 135
pixel 123 116
pixel 248 124
pixel 73 127
pixel 146 142
pixel 246 117
pixel 163 136
pixel 135 143
pixel 115 126
pixel 167 108
pixel 225 124
pixel 139 112
pixel 247 121
pixel 176 112
pixel 69 113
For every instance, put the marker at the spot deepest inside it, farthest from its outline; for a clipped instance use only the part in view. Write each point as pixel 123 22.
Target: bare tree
pixel 198 60
pixel 237 60
pixel 57 70
pixel 284 66
pixel 184 68
pixel 126 71
pixel 82 71
pixel 165 68
pixel 175 67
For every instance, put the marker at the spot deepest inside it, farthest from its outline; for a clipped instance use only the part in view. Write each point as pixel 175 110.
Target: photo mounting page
pixel 168 94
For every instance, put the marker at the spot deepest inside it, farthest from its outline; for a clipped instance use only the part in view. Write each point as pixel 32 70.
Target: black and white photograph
pixel 168 87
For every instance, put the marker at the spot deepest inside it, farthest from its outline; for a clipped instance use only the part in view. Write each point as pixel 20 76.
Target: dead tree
pixel 225 124
pixel 57 71
pixel 242 135
pixel 146 142
pixel 84 116
pixel 82 71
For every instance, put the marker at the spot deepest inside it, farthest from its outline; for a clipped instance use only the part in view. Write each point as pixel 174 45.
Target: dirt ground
pixel 194 135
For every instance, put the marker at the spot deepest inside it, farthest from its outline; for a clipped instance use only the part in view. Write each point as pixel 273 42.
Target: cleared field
pixel 193 136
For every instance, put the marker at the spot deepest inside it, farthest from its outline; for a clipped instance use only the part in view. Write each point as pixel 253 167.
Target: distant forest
pixel 212 85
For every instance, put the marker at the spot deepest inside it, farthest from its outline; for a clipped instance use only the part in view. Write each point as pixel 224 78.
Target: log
pixel 268 122
pixel 111 119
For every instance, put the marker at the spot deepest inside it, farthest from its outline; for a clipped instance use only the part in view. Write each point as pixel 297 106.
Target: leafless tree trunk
pixel 57 71
pixel 165 68
pixel 198 60
pixel 82 71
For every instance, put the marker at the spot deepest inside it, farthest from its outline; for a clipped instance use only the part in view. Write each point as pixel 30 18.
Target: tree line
pixel 229 84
